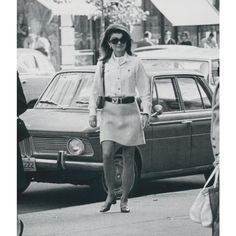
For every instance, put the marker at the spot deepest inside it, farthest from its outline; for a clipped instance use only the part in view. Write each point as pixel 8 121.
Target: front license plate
pixel 29 164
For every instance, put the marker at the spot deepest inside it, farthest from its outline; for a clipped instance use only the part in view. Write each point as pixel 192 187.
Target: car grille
pixel 52 145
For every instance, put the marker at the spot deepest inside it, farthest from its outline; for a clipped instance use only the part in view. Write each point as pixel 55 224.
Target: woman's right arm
pixel 95 90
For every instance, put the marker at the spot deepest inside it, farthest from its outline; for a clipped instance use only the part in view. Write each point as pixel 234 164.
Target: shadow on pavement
pixel 41 197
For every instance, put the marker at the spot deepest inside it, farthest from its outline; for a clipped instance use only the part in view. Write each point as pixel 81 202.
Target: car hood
pixel 57 120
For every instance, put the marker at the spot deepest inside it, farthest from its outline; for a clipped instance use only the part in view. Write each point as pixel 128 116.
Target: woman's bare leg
pixel 128 174
pixel 108 148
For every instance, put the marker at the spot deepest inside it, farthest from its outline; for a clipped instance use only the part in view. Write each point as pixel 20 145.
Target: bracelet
pixel 146 114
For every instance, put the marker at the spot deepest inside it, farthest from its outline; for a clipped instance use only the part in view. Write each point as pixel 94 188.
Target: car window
pixel 28 64
pixel 193 95
pixel 68 90
pixel 164 93
pixel 205 99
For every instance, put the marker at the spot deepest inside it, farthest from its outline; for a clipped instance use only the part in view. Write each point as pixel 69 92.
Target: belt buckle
pixel 115 100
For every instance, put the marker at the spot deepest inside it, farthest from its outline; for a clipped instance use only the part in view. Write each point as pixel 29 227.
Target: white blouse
pixel 122 77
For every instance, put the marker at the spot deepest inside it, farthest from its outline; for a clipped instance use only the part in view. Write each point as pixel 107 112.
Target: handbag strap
pixel 215 173
pixel 216 176
pixel 103 79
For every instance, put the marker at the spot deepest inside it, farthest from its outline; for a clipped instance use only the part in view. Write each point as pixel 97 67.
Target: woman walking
pixel 121 123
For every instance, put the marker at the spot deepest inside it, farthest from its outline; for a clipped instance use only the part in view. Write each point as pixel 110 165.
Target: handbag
pixel 214 201
pixel 201 211
pixel 22 132
pixel 101 98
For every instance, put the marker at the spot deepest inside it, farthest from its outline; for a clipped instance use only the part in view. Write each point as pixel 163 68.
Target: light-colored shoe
pixel 124 207
pixel 107 205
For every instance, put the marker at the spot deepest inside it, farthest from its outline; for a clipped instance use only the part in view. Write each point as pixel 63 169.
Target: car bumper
pixel 61 162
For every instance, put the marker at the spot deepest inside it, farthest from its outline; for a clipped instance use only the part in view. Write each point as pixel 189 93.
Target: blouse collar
pixel 120 60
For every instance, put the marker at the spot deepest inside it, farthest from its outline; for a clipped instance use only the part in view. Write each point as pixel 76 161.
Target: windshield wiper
pixel 51 102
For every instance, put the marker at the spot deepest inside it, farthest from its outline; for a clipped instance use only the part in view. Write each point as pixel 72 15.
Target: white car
pixel 175 57
pixel 35 72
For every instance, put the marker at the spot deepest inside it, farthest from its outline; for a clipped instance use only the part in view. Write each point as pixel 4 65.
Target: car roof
pixel 162 47
pixel 176 72
pixel 86 68
pixel 180 52
pixel 28 51
pixel 157 73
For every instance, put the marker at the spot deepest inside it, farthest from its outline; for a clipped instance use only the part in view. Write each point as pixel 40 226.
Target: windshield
pixel 153 65
pixel 68 90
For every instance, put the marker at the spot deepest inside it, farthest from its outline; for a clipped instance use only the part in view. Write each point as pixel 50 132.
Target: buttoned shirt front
pixel 122 77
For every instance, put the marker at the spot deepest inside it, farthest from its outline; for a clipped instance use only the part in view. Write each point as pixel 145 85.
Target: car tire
pixel 99 186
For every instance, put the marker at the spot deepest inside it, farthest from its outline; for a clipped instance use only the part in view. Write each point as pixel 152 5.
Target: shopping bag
pixel 201 211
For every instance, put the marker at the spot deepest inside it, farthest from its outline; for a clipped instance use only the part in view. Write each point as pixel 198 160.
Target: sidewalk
pixel 153 215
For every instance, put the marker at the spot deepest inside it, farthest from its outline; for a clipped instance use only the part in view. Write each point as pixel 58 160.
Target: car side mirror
pixel 158 110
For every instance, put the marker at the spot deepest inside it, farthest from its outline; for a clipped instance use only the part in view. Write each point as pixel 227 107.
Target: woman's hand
pixel 145 120
pixel 93 121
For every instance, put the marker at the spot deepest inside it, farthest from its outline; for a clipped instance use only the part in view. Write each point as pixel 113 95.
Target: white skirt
pixel 121 123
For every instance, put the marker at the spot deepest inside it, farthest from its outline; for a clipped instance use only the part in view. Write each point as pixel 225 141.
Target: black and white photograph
pixel 117 110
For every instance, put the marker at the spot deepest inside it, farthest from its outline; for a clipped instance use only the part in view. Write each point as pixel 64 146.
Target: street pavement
pixel 164 214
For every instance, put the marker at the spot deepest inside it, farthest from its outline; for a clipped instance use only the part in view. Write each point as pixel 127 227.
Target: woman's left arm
pixel 144 88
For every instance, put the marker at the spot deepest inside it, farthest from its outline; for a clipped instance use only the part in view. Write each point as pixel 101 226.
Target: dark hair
pixel 184 34
pixel 105 48
pixel 147 34
pixel 42 50
pixel 211 35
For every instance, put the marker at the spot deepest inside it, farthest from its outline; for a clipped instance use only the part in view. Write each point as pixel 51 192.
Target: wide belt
pixel 120 100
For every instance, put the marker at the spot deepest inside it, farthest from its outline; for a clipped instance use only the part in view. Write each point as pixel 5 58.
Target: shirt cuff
pixel 147 109
pixel 92 112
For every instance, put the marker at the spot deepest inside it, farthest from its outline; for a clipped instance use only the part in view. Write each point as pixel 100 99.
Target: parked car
pixel 65 149
pixel 169 57
pixel 162 47
pixel 35 72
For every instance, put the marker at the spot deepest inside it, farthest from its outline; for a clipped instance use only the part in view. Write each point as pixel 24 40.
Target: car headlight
pixel 75 146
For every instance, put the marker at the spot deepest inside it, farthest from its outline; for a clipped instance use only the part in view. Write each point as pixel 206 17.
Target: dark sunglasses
pixel 116 40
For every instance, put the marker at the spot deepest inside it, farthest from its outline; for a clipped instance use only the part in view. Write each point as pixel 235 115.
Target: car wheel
pixel 100 185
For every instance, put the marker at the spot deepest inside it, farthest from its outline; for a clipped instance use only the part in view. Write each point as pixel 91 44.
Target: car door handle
pixel 186 122
pixel 23 82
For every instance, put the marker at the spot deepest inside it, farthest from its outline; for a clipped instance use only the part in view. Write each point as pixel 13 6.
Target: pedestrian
pixel 22 133
pixel 168 39
pixel 184 39
pixel 146 41
pixel 209 42
pixel 121 122
pixel 214 194
pixel 22 30
pixel 38 42
pixel 42 44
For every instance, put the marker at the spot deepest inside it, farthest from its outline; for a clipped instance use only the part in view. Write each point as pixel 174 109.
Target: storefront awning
pixel 188 12
pixel 72 7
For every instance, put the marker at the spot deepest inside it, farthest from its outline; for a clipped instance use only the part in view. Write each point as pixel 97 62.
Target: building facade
pixel 35 20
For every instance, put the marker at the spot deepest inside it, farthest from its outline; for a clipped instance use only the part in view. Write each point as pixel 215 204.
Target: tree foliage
pixel 122 12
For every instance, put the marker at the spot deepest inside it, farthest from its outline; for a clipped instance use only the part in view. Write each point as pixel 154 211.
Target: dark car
pixel 64 149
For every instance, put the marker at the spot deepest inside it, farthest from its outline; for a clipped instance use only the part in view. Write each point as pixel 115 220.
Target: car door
pixel 196 99
pixel 171 130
